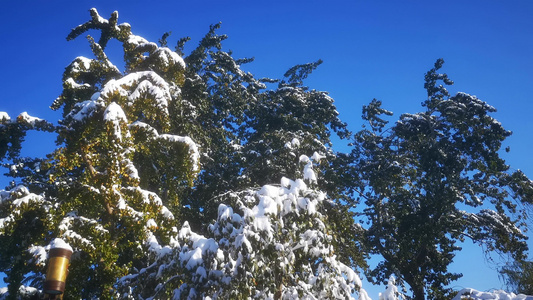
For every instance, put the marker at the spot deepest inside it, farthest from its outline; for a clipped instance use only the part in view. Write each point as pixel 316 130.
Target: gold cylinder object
pixel 57 271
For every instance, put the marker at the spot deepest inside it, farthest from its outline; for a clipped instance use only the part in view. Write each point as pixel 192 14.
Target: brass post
pixel 56 274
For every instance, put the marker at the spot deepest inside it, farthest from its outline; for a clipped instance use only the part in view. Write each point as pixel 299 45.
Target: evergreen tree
pixel 100 194
pixel 433 179
pixel 251 136
pixel 277 245
pixel 171 142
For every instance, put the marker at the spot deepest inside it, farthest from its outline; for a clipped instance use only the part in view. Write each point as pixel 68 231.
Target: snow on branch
pixel 27 121
pixel 473 294
pixel 137 85
pixel 194 152
pixel 275 225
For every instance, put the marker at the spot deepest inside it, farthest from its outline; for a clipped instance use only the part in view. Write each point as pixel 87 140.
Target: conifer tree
pixel 151 161
pixel 101 196
pixel 277 245
pixel 416 177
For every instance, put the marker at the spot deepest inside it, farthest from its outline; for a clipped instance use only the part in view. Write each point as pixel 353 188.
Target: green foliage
pixel 518 277
pixel 417 176
pixel 168 142
pixel 144 149
pixel 93 196
pixel 298 73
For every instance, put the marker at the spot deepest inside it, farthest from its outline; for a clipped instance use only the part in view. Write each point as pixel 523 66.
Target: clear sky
pixel 371 49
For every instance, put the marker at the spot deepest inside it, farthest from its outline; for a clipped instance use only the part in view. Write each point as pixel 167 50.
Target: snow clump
pixel 496 295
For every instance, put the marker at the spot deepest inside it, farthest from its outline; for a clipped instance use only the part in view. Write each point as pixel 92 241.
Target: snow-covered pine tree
pixel 164 141
pixel 417 177
pixel 23 215
pixel 251 136
pixel 115 137
pixel 292 121
pixel 276 245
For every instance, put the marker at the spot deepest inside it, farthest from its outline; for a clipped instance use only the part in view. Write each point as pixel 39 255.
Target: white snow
pixel 135 85
pixel 29 198
pixel 60 243
pixel 270 191
pixel 83 109
pixel 168 55
pixel 317 157
pixel 136 40
pixel 39 254
pixel 28 119
pixel 67 232
pixel 286 217
pixel 193 258
pixel 363 295
pixel 472 294
pixel 85 63
pixel 309 173
pixel 131 169
pixel 193 148
pixel 224 211
pixel 285 182
pixel 4 117
pixel 155 247
pixel 99 19
pixel 391 292
pixel 294 143
pixel 166 213
pixel 18 198
pixel 304 159
pixel 114 113
pixel 70 81
pixel 151 224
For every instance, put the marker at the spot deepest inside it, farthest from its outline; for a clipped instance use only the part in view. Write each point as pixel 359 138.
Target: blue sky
pixel 371 49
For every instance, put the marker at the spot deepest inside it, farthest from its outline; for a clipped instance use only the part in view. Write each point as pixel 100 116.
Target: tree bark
pixel 418 293
pixel 417 287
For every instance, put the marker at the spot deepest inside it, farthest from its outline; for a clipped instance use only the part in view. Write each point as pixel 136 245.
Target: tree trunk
pixel 417 287
pixel 418 293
